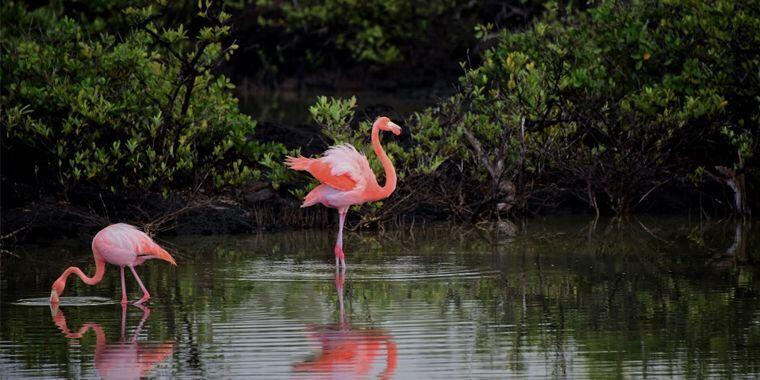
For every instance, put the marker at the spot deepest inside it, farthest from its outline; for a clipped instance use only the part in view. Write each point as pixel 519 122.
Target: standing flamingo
pixel 118 244
pixel 346 178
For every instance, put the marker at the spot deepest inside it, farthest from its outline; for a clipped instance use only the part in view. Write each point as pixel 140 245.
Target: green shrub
pixel 632 94
pixel 608 104
pixel 140 110
pixel 366 31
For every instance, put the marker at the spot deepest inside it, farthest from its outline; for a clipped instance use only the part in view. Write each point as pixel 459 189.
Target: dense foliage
pixel 624 98
pixel 283 39
pixel 141 109
pixel 610 106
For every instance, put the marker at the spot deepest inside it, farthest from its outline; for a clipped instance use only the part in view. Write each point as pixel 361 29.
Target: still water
pixel 565 298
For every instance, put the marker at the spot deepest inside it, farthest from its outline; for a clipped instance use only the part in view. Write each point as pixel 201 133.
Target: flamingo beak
pixel 53 297
pixel 394 128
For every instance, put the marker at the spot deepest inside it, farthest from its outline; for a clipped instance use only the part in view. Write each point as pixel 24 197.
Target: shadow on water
pixel 652 297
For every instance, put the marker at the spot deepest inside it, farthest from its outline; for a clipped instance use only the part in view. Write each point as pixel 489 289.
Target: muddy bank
pixel 254 207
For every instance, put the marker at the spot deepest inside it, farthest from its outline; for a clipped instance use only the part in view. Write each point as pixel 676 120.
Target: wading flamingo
pixel 125 359
pixel 118 244
pixel 346 178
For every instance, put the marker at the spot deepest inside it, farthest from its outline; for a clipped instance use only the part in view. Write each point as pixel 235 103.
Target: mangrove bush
pixel 144 108
pixel 613 106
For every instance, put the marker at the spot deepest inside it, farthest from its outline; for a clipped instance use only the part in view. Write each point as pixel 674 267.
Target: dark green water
pixel 649 298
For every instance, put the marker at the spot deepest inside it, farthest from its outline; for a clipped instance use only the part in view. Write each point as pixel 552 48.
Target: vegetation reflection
pixel 571 297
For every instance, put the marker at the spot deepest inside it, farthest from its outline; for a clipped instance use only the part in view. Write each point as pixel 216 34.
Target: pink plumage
pixel 124 244
pixel 345 175
pixel 118 244
pixel 345 160
pixel 347 179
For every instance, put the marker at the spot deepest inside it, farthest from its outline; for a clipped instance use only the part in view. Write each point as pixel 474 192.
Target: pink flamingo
pixel 118 244
pixel 346 178
pixel 126 359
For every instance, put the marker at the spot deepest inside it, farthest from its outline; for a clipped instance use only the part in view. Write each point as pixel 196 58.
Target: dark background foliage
pixel 603 107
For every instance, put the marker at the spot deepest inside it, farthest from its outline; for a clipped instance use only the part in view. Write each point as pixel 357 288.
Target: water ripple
pixel 407 269
pixel 66 301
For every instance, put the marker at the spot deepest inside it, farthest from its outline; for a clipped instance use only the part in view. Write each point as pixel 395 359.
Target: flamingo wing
pixel 324 173
pixel 117 255
pixel 341 167
pixel 121 241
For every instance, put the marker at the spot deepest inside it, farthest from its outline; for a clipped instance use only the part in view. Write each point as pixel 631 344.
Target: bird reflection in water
pixel 347 351
pixel 125 359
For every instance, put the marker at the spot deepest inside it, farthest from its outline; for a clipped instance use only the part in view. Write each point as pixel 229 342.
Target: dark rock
pixel 252 187
pixel 506 228
pixel 257 185
pixel 46 222
pixel 258 196
pixel 156 203
pixel 217 218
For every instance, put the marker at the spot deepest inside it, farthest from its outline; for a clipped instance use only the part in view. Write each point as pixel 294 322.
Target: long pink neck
pixel 390 171
pixel 100 270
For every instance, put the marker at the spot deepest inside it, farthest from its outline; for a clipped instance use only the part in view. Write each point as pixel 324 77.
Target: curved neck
pixel 390 171
pixel 100 270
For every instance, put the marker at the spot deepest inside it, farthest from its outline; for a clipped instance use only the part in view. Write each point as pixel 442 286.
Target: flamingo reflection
pixel 125 359
pixel 347 351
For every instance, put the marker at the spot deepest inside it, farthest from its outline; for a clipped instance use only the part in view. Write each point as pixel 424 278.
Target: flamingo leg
pixel 123 287
pixel 339 255
pixel 146 295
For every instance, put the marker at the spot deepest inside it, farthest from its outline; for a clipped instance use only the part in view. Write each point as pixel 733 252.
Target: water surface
pixel 565 298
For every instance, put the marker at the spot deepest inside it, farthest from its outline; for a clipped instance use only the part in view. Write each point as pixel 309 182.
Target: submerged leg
pixel 146 295
pixel 339 279
pixel 123 287
pixel 339 255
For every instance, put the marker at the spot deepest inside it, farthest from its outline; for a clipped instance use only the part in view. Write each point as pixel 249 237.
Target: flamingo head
pixel 385 124
pixel 56 290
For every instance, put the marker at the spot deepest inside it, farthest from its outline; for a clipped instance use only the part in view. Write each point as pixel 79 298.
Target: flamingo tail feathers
pixel 157 252
pixel 161 253
pixel 298 163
